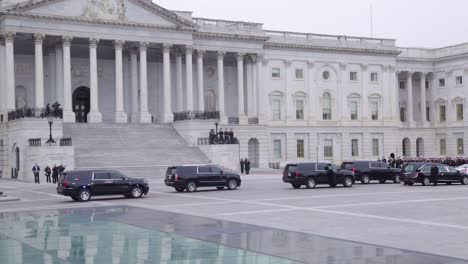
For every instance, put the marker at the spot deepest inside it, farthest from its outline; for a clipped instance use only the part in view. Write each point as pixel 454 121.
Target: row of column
pixel 409 87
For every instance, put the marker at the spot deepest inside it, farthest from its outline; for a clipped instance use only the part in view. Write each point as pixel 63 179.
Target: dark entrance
pixel 81 103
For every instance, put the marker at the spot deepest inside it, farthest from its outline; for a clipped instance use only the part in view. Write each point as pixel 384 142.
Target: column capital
pixel 259 57
pixel 221 54
pixel 240 56
pixel 188 49
pixel 143 45
pixel 9 36
pixel 93 42
pixel 201 53
pixel 409 74
pixel 118 44
pixel 423 74
pixel 38 38
pixel 364 67
pixel 66 41
pixel 2 40
pixel 166 47
pixel 310 64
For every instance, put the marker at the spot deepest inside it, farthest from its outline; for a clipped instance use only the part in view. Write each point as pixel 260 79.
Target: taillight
pixel 297 174
pixel 176 177
pixel 353 170
pixel 65 184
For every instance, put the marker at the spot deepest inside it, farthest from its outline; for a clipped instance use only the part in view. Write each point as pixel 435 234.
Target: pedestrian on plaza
pixel 48 172
pixel 231 135
pixel 36 169
pixel 331 176
pixel 242 164
pixel 61 170
pixel 55 173
pixel 434 174
pixel 221 136
pixel 212 136
pixel 227 139
pixel 247 166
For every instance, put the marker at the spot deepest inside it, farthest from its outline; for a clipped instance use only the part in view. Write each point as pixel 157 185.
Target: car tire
pixel 348 182
pixel 179 189
pixel 365 179
pixel 84 195
pixel 382 181
pixel 191 187
pixel 426 181
pixel 220 188
pixel 296 186
pixel 232 184
pixel 311 183
pixel 396 179
pixel 464 180
pixel 136 192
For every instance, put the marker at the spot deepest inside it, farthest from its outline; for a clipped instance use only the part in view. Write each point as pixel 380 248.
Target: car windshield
pixel 408 168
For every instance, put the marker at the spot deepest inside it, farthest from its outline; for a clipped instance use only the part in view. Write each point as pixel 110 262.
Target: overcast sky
pixel 415 23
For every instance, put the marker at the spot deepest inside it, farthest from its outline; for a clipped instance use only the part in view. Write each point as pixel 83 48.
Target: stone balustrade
pixel 225 25
pixel 434 54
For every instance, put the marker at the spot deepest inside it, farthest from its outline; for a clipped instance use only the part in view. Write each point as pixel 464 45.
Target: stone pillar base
pixel 144 118
pixel 94 117
pixel 69 117
pixel 261 120
pixel 243 120
pixel 223 119
pixel 134 118
pixel 121 117
pixel 166 118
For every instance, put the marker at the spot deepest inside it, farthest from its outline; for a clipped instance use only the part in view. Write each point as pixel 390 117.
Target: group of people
pixel 52 175
pixel 397 162
pixel 245 166
pixel 221 137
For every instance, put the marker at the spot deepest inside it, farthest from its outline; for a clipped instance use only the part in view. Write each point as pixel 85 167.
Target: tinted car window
pixel 216 170
pixel 116 175
pixel 426 169
pixel 451 169
pixel 321 167
pixel 408 168
pixel 171 171
pixel 347 166
pixel 204 169
pixel 442 168
pixel 292 168
pixel 101 176
pixel 375 165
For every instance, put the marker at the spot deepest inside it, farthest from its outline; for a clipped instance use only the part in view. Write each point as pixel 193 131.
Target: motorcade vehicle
pixel 463 169
pixel 81 185
pixel 421 173
pixel 311 174
pixel 367 171
pixel 190 177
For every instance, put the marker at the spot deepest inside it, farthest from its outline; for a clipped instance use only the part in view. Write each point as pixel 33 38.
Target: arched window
pixel 326 107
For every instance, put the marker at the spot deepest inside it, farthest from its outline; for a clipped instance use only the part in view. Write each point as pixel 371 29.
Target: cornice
pixel 332 49
pixel 226 36
pixel 432 60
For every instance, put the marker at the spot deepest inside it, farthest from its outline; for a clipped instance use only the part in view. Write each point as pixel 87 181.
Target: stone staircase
pixel 134 149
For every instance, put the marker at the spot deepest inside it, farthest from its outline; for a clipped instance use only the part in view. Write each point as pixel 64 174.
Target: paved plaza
pixel 265 221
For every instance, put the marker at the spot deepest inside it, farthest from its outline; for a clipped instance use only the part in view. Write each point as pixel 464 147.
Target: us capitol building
pixel 286 95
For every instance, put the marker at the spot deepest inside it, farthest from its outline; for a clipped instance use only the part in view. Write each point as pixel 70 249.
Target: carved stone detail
pixel 38 39
pixel 66 40
pixel 118 44
pixel 9 36
pixel 105 9
pixel 93 42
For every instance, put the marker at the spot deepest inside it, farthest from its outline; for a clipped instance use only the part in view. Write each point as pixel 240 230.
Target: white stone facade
pixel 288 96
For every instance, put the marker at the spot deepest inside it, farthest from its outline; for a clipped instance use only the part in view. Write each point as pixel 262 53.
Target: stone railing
pixel 38 142
pixel 196 115
pixel 34 113
pixel 225 25
pixel 253 121
pixel 216 141
pixel 439 53
pixel 233 120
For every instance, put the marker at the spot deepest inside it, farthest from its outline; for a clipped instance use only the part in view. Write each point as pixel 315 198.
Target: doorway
pixel 254 152
pixel 81 104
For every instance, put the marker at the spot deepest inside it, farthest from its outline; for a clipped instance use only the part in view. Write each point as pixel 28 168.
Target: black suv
pixel 311 173
pixel 190 177
pixel 366 171
pixel 82 185
pixel 421 173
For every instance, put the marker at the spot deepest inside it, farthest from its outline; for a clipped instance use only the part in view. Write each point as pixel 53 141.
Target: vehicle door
pixel 218 175
pixel 204 176
pixel 120 183
pixel 453 174
pixel 443 173
pixel 375 171
pixel 339 175
pixel 426 170
pixel 387 171
pixel 102 183
pixel 321 173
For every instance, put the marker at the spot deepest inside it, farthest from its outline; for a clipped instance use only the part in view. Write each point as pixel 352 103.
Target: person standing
pixel 331 176
pixel 231 136
pixel 55 173
pixel 36 169
pixel 434 174
pixel 48 172
pixel 242 163
pixel 221 136
pixel 212 136
pixel 247 166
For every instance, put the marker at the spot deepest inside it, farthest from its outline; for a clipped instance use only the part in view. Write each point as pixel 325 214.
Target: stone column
pixel 179 85
pixel 221 108
pixel 260 95
pixel 2 76
pixel 395 94
pixel 423 97
pixel 145 117
pixel 120 115
pixel 39 70
pixel 200 81
pixel 94 115
pixel 59 72
pixel 10 71
pixel 409 104
pixel 68 114
pixel 189 75
pixel 134 84
pixel 167 116
pixel 365 88
pixel 240 89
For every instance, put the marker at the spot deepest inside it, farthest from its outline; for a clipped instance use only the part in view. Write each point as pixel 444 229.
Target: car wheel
pixel 179 189
pixel 136 192
pixel 232 184
pixel 219 188
pixel 464 180
pixel 382 181
pixel 365 179
pixel 191 186
pixel 311 183
pixel 396 179
pixel 84 196
pixel 347 182
pixel 296 186
pixel 426 181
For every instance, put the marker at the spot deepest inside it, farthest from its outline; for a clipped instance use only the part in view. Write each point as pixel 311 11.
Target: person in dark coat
pixel 242 164
pixel 61 170
pixel 36 169
pixel 55 173
pixel 434 174
pixel 227 138
pixel 247 166
pixel 231 136
pixel 331 176
pixel 212 136
pixel 221 136
pixel 48 172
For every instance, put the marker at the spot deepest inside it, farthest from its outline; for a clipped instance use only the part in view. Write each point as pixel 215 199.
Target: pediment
pixel 119 11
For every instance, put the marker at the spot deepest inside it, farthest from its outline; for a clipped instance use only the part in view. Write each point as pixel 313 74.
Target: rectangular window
pixel 276 73
pixel 299 74
pixel 459 112
pixel 428 114
pixel 354 110
pixel 442 113
pixel 375 148
pixel 354 147
pixel 300 109
pixel 353 76
pixel 402 85
pixel 459 80
pixel 328 148
pixel 277 149
pixel 403 114
pixel 276 109
pixel 443 147
pixel 460 146
pixel 441 82
pixel 374 77
pixel 300 148
pixel 375 110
